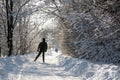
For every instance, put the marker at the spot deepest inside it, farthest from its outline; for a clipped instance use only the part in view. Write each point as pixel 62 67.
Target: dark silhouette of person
pixel 42 48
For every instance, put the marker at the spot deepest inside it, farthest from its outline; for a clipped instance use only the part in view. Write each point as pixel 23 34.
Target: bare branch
pixel 19 12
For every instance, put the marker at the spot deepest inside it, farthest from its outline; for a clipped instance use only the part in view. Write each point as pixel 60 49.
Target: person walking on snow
pixel 42 48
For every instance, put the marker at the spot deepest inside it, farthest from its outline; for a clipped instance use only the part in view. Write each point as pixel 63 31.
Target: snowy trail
pixel 40 71
pixel 30 70
pixel 57 67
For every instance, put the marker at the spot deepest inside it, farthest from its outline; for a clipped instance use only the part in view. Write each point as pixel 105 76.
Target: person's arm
pixel 38 49
pixel 46 47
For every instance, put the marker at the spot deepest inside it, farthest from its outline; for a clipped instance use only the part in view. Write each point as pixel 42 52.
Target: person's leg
pixel 43 56
pixel 37 56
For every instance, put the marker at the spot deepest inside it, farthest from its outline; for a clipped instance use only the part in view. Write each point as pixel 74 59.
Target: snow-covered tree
pixel 91 29
pixel 15 25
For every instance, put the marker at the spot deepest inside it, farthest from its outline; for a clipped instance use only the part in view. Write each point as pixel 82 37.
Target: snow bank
pixel 87 70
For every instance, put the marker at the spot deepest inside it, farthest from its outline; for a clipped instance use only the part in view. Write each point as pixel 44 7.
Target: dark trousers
pixel 43 55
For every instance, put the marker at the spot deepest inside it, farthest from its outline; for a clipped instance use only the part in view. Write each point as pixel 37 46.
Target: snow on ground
pixel 57 67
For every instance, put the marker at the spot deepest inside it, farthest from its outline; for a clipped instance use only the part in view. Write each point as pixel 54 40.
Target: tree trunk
pixel 9 10
pixel 0 42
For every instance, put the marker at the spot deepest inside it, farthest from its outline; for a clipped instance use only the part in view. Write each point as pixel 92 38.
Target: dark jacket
pixel 42 47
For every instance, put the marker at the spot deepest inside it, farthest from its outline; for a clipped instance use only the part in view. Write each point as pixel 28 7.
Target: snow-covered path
pixel 43 71
pixel 40 71
pixel 57 67
pixel 24 68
